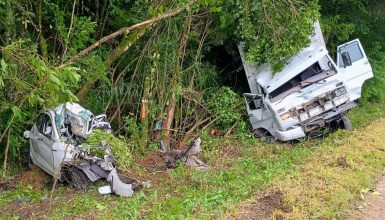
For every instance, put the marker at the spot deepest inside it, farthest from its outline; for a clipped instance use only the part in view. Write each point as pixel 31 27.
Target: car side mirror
pixel 48 130
pixel 27 134
pixel 346 59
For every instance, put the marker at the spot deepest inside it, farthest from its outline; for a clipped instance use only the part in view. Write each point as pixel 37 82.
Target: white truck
pixel 311 93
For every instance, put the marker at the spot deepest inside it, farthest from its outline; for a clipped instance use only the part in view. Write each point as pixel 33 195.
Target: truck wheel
pixel 345 123
pixel 78 178
pixel 264 135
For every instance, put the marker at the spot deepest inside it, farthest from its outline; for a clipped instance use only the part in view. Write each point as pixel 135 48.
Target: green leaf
pixel 54 79
pixel 3 65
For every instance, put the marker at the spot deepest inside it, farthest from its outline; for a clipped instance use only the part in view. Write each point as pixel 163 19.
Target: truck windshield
pixel 309 76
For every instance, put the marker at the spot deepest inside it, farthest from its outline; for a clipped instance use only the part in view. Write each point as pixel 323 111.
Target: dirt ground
pixel 372 207
pixel 267 206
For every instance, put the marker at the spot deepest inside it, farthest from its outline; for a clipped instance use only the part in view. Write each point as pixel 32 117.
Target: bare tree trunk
pixel 170 118
pixel 144 113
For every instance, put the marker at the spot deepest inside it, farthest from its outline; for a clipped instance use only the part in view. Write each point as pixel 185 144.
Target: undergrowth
pixel 241 167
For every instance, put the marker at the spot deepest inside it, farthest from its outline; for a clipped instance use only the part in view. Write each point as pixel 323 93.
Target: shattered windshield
pixel 309 76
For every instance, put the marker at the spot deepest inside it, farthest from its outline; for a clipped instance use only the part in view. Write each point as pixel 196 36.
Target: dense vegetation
pixel 163 70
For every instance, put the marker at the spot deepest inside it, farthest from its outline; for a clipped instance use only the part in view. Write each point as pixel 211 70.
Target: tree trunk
pixel 42 42
pixel 176 81
pixel 144 113
pixel 6 152
pixel 170 118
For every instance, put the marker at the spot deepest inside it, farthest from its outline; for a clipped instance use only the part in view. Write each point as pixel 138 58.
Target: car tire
pixel 78 178
pixel 30 163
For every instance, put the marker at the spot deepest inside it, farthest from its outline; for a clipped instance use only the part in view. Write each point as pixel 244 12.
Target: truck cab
pixel 311 93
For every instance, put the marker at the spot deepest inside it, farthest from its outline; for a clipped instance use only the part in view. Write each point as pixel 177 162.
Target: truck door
pixel 353 63
pixel 254 106
pixel 41 143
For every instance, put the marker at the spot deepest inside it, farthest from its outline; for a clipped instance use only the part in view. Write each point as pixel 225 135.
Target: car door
pixel 353 63
pixel 41 143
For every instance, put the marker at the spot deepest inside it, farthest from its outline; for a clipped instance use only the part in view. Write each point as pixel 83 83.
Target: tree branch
pixel 125 30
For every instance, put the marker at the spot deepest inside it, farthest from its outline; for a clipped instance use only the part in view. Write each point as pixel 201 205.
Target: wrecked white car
pixel 56 147
pixel 310 94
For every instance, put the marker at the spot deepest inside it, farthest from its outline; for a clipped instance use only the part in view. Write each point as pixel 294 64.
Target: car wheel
pixel 78 178
pixel 30 163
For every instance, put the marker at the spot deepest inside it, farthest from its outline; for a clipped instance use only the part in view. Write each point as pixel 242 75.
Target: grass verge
pixel 329 181
pixel 318 178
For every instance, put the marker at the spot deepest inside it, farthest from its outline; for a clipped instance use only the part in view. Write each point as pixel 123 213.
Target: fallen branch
pixel 6 152
pixel 125 30
pixel 230 130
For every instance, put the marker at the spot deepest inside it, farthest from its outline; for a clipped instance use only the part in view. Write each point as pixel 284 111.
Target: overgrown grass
pixel 328 182
pixel 307 171
pixel 366 113
pixel 193 194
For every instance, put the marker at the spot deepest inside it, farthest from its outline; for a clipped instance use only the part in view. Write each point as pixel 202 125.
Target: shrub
pixel 119 146
pixel 224 104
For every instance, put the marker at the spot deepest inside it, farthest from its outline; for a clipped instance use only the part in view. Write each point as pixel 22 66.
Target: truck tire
pixel 264 135
pixel 345 123
pixel 78 178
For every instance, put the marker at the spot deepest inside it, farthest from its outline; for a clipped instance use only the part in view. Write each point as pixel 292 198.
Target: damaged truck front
pixel 311 93
pixel 57 146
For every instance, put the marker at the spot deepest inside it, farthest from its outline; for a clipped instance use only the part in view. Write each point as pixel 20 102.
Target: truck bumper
pixel 291 134
pixel 298 131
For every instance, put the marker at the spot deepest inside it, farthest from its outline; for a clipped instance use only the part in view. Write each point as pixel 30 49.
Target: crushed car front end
pixel 57 145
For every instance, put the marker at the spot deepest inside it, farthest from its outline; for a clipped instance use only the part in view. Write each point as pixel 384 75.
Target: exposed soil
pixel 153 161
pixel 372 207
pixel 152 168
pixel 265 207
pixel 35 178
pixel 29 210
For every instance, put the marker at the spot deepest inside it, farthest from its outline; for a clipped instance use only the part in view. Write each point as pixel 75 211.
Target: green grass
pixel 240 168
pixel 325 187
pixel 366 113
pixel 189 193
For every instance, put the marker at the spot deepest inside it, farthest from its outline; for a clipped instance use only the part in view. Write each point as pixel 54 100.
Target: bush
pixel 224 104
pixel 119 146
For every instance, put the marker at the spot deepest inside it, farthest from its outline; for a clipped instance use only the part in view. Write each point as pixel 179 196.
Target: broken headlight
pixel 285 116
pixel 339 92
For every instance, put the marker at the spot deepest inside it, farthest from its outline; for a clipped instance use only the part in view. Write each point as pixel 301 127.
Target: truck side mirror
pixel 346 59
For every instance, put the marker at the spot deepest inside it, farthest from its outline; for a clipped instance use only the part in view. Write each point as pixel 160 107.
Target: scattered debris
pixel 188 157
pixel 56 141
